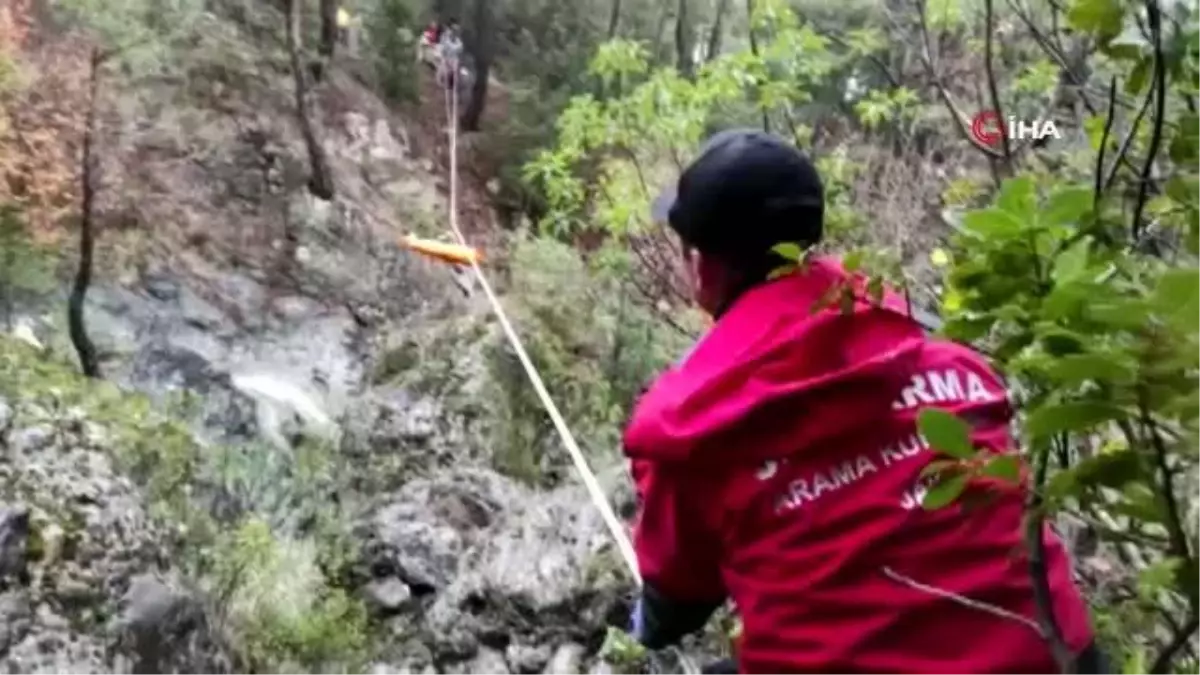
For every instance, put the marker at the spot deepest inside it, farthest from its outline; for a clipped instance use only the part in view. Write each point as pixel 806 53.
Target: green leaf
pixel 1004 467
pixel 1065 300
pixel 1185 146
pixel 1102 18
pixel 1074 369
pixel 1056 418
pixel 1138 76
pixel 1094 127
pixel 621 648
pixel 1178 294
pixel 1018 197
pixel 944 492
pixel 1140 503
pixel 788 251
pixel 1067 206
pixel 1135 661
pixel 1072 263
pixel 1127 46
pixel 992 223
pixel 1061 342
pixel 852 261
pixel 1159 576
pixel 1184 189
pixel 946 433
pixel 1184 406
pixel 1112 469
pixel 1120 313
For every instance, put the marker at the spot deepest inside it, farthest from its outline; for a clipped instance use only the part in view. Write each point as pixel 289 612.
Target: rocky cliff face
pixel 461 569
pixel 331 502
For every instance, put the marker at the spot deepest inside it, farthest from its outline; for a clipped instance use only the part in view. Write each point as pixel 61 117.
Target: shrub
pixel 593 346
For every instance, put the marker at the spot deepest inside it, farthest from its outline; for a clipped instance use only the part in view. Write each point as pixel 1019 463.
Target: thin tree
pixel 718 31
pixel 329 29
pixel 89 360
pixel 614 19
pixel 766 120
pixel 320 182
pixel 483 65
pixel 683 40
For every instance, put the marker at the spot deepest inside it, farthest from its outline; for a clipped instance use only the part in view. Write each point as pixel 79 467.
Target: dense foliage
pixel 1071 263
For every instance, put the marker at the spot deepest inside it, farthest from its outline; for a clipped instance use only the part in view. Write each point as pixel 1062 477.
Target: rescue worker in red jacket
pixel 778 465
pixel 432 33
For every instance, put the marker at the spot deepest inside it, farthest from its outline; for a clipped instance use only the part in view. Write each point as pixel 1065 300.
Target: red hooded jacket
pixel 779 465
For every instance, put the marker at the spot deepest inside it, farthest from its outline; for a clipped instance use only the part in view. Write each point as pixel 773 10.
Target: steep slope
pixel 344 403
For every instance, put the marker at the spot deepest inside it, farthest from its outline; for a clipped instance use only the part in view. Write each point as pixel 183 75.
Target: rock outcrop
pixel 84 570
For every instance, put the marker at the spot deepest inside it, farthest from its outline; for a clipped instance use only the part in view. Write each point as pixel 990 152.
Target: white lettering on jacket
pixel 944 385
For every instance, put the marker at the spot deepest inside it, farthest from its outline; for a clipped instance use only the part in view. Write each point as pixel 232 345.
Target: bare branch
pixel 1108 123
pixel 1128 140
pixel 766 119
pixel 1035 541
pixel 960 119
pixel 1154 15
pixel 990 72
pixel 1176 530
pixel 1162 662
pixel 875 60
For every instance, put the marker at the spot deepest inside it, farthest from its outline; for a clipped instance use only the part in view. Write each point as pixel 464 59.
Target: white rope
pixel 585 472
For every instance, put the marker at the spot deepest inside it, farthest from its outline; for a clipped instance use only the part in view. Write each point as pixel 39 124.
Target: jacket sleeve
pixel 678 556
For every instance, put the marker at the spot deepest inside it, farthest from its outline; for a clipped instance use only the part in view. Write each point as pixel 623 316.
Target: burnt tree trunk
pixel 766 119
pixel 321 181
pixel 660 31
pixel 483 66
pixel 89 361
pixel 329 28
pixel 614 19
pixel 718 31
pixel 683 40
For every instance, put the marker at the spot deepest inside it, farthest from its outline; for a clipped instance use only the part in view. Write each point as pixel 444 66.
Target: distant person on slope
pixel 428 44
pixel 432 32
pixel 779 465
pixel 450 48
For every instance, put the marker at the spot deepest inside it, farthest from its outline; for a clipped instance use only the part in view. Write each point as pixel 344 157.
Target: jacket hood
pixel 772 377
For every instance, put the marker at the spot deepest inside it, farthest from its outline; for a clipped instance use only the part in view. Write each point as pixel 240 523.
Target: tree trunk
pixel 329 28
pixel 321 181
pixel 483 66
pixel 718 31
pixel 660 31
pixel 614 19
pixel 766 120
pixel 89 361
pixel 683 40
